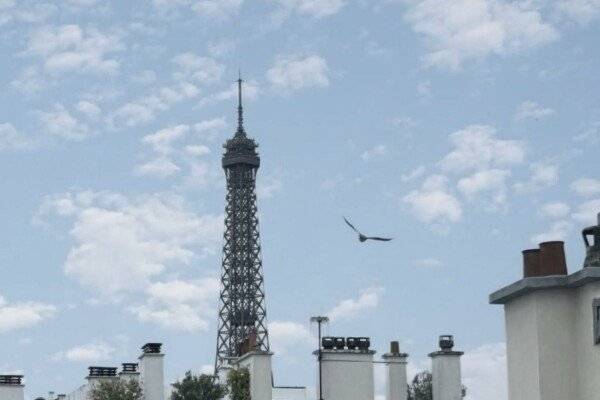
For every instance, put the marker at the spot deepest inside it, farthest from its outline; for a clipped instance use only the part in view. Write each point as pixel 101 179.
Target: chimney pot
pixel 552 258
pixel 153 348
pixel 394 348
pixel 531 263
pixel 446 342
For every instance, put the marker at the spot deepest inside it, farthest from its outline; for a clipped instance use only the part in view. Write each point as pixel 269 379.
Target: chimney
pixel 592 258
pixel 445 370
pixel 11 387
pixel 258 363
pixel 152 371
pixel 548 260
pixel 129 371
pixel 347 373
pixel 396 383
pixel 552 258
pixel 531 263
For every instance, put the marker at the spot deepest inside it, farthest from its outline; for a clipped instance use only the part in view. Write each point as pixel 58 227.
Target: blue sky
pixel 469 130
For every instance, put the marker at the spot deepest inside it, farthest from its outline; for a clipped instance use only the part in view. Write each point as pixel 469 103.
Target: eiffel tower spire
pixel 240 128
pixel 242 310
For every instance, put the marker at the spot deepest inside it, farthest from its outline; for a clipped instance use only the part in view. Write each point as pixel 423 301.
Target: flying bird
pixel 364 238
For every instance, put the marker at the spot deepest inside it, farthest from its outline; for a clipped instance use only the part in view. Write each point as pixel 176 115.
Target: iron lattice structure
pixel 242 312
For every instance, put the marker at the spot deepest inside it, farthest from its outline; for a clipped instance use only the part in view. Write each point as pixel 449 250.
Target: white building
pixel 553 325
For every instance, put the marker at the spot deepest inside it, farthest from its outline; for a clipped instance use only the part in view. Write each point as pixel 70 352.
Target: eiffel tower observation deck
pixel 242 311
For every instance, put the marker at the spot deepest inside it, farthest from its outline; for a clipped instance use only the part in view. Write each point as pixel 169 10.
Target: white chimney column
pixel 396 382
pixel 258 364
pixel 152 372
pixel 445 370
pixel 347 373
pixel 11 387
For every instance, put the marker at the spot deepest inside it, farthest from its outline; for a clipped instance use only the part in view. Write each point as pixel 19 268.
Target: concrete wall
pixel 152 376
pixel 11 392
pixel 445 371
pixel 556 343
pixel 261 376
pixel 347 375
pixel 588 353
pixel 396 385
pixel 550 343
pixel 290 394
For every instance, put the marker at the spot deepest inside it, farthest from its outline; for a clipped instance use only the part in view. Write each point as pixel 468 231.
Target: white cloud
pixel 311 8
pixel 217 8
pixel 197 150
pixel 210 127
pixel 267 187
pixel 490 180
pixel 582 11
pixel 91 352
pixel 376 151
pixel 14 316
pixel 462 30
pixel 429 262
pixel 179 305
pixel 89 109
pixel 69 48
pixel 160 167
pixel 193 68
pixel 11 139
pixel 558 231
pixel 292 73
pixel 162 140
pixel 586 186
pixel 484 372
pixel 352 308
pixel 414 174
pixel 122 243
pixel 145 109
pixel 587 212
pixel 532 110
pixel 476 147
pixel 555 210
pixel 30 80
pixel 285 335
pixel 432 203
pixel 542 175
pixel 60 122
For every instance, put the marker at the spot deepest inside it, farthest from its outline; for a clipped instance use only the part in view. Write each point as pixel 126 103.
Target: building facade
pixel 553 324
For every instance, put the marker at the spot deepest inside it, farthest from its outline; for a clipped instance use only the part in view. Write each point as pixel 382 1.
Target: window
pixel 596 308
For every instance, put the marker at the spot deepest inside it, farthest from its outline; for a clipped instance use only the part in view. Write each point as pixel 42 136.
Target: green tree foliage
pixel 238 381
pixel 117 390
pixel 198 387
pixel 421 387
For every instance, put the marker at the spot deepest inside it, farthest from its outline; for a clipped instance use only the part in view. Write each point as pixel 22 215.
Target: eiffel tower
pixel 242 311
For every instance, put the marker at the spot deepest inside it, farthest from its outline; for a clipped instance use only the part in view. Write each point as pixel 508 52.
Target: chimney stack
pixel 548 260
pixel 152 371
pixel 347 374
pixel 396 382
pixel 11 387
pixel 445 370
pixel 129 371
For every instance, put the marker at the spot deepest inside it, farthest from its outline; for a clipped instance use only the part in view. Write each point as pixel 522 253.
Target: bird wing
pixel 381 239
pixel 351 226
